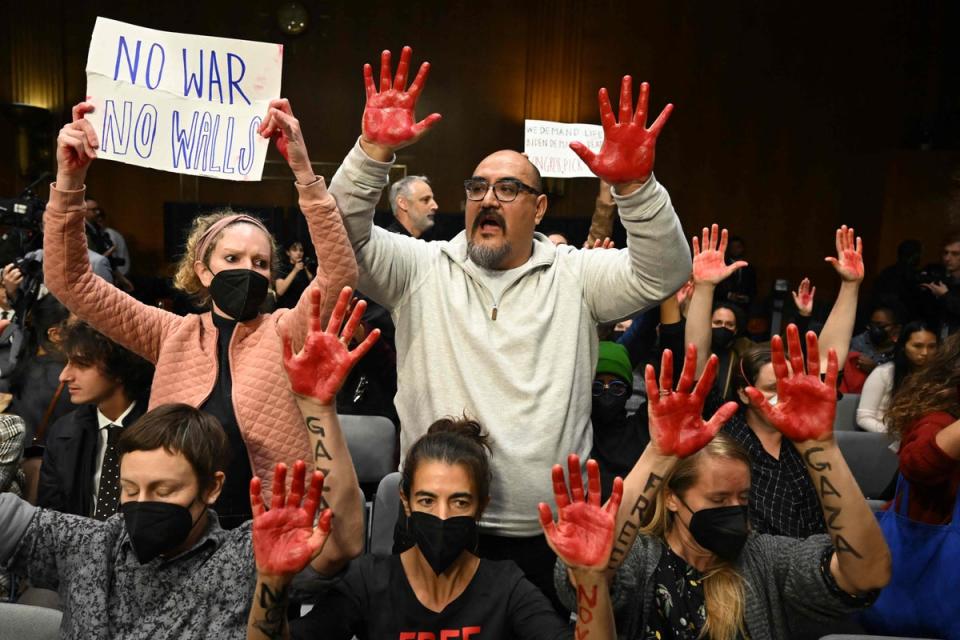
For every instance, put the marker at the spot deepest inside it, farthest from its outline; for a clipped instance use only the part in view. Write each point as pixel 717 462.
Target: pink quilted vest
pixel 184 349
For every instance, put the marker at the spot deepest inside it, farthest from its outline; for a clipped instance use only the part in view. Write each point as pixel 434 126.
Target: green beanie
pixel 614 359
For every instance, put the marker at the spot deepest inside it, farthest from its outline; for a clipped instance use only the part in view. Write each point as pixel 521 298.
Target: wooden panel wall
pixel 789 119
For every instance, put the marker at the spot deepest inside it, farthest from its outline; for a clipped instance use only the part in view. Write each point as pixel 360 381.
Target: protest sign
pixel 547 144
pixel 182 103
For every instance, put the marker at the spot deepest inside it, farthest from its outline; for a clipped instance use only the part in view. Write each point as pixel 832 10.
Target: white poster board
pixel 547 144
pixel 182 103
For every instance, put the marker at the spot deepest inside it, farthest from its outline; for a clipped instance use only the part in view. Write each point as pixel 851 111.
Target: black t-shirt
pixel 300 282
pixel 374 601
pixel 233 505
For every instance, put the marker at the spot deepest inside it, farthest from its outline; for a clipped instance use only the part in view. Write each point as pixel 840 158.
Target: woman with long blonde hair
pixel 685 564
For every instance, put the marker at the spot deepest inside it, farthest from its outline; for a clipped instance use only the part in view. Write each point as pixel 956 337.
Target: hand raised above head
pixel 281 125
pixel 389 120
pixel 284 538
pixel 77 146
pixel 803 297
pixel 325 360
pixel 583 535
pixel 629 147
pixel 677 427
pixel 849 260
pixel 806 405
pixel 709 266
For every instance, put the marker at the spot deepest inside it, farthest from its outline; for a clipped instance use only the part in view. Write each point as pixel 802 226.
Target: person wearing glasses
pixel 499 322
pixel 618 439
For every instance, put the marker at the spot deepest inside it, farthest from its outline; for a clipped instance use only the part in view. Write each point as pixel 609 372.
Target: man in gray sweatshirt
pixel 498 322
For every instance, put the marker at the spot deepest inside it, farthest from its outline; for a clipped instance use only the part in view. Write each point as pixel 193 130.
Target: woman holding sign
pixel 226 361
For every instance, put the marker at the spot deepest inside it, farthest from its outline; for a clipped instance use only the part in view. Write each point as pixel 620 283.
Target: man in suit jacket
pixel 80 467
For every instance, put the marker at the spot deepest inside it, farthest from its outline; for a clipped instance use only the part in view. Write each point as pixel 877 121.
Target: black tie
pixel 109 495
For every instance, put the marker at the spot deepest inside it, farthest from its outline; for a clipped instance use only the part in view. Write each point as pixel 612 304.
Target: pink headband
pixel 204 243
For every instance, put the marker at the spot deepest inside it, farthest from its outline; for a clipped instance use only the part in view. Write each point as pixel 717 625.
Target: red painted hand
pixel 583 535
pixel 628 147
pixel 805 406
pixel 849 260
pixel 281 125
pixel 803 297
pixel 708 264
pixel 320 368
pixel 388 118
pixel 77 144
pixel 284 538
pixel 677 427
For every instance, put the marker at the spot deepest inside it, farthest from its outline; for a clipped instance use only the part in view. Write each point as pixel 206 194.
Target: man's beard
pixel 487 257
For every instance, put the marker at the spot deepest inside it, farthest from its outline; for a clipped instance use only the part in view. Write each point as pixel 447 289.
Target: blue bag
pixel 923 597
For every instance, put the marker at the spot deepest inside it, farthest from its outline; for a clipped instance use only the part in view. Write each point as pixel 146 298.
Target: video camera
pixel 25 212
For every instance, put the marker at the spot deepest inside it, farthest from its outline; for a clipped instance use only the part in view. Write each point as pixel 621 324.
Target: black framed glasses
pixel 617 388
pixel 505 190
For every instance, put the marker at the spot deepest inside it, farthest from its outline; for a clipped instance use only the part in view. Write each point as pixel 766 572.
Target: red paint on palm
pixel 849 260
pixel 806 406
pixel 709 265
pixel 803 297
pixel 629 147
pixel 284 538
pixel 389 116
pixel 677 426
pixel 583 534
pixel 325 361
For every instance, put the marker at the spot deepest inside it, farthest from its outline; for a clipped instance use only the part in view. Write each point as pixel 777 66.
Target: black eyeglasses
pixel 505 190
pixel 616 387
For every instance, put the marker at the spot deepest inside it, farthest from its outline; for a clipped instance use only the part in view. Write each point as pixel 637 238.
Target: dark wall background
pixel 790 119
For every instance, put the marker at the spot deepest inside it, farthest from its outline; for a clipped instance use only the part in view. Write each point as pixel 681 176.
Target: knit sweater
pixel 184 348
pixel 514 349
pixel 783 583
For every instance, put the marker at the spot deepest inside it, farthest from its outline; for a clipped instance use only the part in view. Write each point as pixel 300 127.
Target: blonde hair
pixel 186 279
pixel 723 586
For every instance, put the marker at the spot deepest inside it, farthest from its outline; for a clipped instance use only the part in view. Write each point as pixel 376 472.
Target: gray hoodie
pixel 515 350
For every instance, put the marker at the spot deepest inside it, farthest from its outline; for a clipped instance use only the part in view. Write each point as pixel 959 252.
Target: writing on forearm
pixel 274 605
pixel 832 512
pixel 321 456
pixel 585 608
pixel 632 524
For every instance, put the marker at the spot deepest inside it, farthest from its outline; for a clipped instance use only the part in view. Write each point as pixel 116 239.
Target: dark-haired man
pixel 81 464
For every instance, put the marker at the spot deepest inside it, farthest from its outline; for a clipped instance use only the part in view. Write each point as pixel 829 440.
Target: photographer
pixel 294 277
pixel 941 283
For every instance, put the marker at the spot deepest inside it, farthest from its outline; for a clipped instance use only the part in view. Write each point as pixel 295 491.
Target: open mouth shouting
pixel 489 223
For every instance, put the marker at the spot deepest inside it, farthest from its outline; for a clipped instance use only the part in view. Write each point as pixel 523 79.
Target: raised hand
pixel 77 146
pixel 683 293
pixel 284 538
pixel 803 297
pixel 583 535
pixel 323 364
pixel 281 125
pixel 806 406
pixel 849 260
pixel 628 149
pixel 677 426
pixel 606 243
pixel 709 266
pixel 388 118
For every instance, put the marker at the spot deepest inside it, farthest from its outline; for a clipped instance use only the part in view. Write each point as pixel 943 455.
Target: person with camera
pixel 294 277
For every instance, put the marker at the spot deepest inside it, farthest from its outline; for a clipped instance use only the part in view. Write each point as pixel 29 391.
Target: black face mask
pixel 442 541
pixel 722 530
pixel 239 292
pixel 721 339
pixel 609 409
pixel 156 527
pixel 877 335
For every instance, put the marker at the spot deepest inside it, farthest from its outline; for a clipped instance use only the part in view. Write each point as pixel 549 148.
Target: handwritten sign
pixel 182 103
pixel 547 144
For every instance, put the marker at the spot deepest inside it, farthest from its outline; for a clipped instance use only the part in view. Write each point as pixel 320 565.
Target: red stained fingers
pixel 666 372
pixel 593 482
pixel 314 494
pixel 575 478
pixel 279 486
pixel 256 497
pixel 606 111
pixel 640 117
pixel 385 71
pixel 297 484
pixel 777 357
pixel 813 354
pixel 560 495
pixel 626 99
pixel 689 369
pixel 339 311
pixel 796 353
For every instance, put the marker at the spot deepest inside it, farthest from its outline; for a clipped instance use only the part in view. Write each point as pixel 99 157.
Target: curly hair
pixel 85 346
pixel 934 388
pixel 186 278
